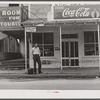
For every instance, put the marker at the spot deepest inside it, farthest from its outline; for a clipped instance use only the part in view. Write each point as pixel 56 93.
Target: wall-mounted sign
pixel 76 12
pixel 30 29
pixel 57 48
pixel 10 16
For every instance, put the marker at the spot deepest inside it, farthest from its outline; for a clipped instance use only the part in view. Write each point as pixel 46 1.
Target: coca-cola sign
pixel 81 12
pixel 76 12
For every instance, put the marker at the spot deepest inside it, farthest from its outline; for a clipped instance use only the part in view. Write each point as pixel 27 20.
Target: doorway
pixel 70 56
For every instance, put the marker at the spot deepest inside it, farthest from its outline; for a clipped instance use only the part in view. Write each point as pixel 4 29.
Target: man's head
pixel 35 45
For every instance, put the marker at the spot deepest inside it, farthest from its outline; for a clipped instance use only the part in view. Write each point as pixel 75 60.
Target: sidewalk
pixel 53 73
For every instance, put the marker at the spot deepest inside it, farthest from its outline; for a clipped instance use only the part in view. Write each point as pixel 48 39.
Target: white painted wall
pixel 84 61
pixel 55 60
pixel 22 47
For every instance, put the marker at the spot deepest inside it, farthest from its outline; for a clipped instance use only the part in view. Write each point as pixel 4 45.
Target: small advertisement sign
pixel 61 12
pixel 30 29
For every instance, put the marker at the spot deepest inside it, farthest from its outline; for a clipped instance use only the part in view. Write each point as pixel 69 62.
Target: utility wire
pixel 34 14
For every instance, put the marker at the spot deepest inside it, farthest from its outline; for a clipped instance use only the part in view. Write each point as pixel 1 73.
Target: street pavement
pixel 52 73
pixel 52 79
pixel 50 84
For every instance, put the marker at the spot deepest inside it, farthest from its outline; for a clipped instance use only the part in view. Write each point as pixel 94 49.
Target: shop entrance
pixel 70 56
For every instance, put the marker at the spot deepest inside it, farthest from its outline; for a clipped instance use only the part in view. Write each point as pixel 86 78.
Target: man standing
pixel 36 57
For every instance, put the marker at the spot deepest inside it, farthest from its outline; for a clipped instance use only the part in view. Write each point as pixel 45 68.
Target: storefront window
pixel 48 38
pixel 45 42
pixel 91 43
pixel 48 50
pixel 69 36
pixel 37 38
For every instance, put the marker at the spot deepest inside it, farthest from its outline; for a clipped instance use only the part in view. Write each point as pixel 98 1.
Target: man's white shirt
pixel 35 50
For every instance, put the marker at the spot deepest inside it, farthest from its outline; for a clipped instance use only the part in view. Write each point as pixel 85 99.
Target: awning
pixel 2 36
pixel 11 28
pixel 15 33
pixel 44 22
pixel 34 22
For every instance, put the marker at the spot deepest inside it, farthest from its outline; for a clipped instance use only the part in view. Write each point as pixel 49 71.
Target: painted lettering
pixel 9 12
pixel 81 12
pixel 14 17
pixel 9 24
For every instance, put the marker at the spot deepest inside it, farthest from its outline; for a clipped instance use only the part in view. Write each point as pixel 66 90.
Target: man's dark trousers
pixel 36 58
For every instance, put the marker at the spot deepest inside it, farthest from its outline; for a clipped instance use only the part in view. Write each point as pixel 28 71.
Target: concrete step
pixel 13 64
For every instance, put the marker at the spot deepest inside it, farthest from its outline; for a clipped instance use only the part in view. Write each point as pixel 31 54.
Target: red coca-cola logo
pixel 81 12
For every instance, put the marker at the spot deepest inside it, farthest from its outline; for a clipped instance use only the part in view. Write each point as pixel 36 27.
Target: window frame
pixel 43 44
pixel 95 43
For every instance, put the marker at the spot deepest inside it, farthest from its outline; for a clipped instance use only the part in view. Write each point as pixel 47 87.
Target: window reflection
pixel 45 42
pixel 91 43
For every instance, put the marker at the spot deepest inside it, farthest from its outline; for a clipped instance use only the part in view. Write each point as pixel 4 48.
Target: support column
pixel 8 44
pixel 98 26
pixel 30 55
pixel 25 51
pixel 61 48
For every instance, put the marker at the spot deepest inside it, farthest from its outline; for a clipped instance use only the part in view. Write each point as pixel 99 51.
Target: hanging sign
pixel 76 12
pixel 30 29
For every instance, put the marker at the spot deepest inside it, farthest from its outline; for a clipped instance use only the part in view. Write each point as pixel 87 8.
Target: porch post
pixel 25 51
pixel 61 49
pixel 99 42
pixel 8 44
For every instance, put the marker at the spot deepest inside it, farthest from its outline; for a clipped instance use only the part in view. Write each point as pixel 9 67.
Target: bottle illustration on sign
pixel 95 14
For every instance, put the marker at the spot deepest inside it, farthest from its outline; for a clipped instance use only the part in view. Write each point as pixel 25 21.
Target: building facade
pixel 11 31
pixel 68 35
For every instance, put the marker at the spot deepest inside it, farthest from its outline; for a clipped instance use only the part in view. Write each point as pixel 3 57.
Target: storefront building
pixel 12 32
pixel 69 37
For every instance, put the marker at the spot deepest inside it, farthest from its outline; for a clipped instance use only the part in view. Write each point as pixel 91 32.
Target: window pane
pixel 72 62
pixel 67 49
pixel 67 62
pixel 76 49
pixel 69 36
pixel 89 49
pixel 37 38
pixel 48 38
pixel 48 50
pixel 76 62
pixel 63 62
pixel 89 37
pixel 65 36
pixel 73 35
pixel 97 50
pixel 96 36
pixel 72 49
pixel 63 49
pixel 41 49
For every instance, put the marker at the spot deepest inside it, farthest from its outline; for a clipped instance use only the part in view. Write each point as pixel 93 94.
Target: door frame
pixel 70 40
